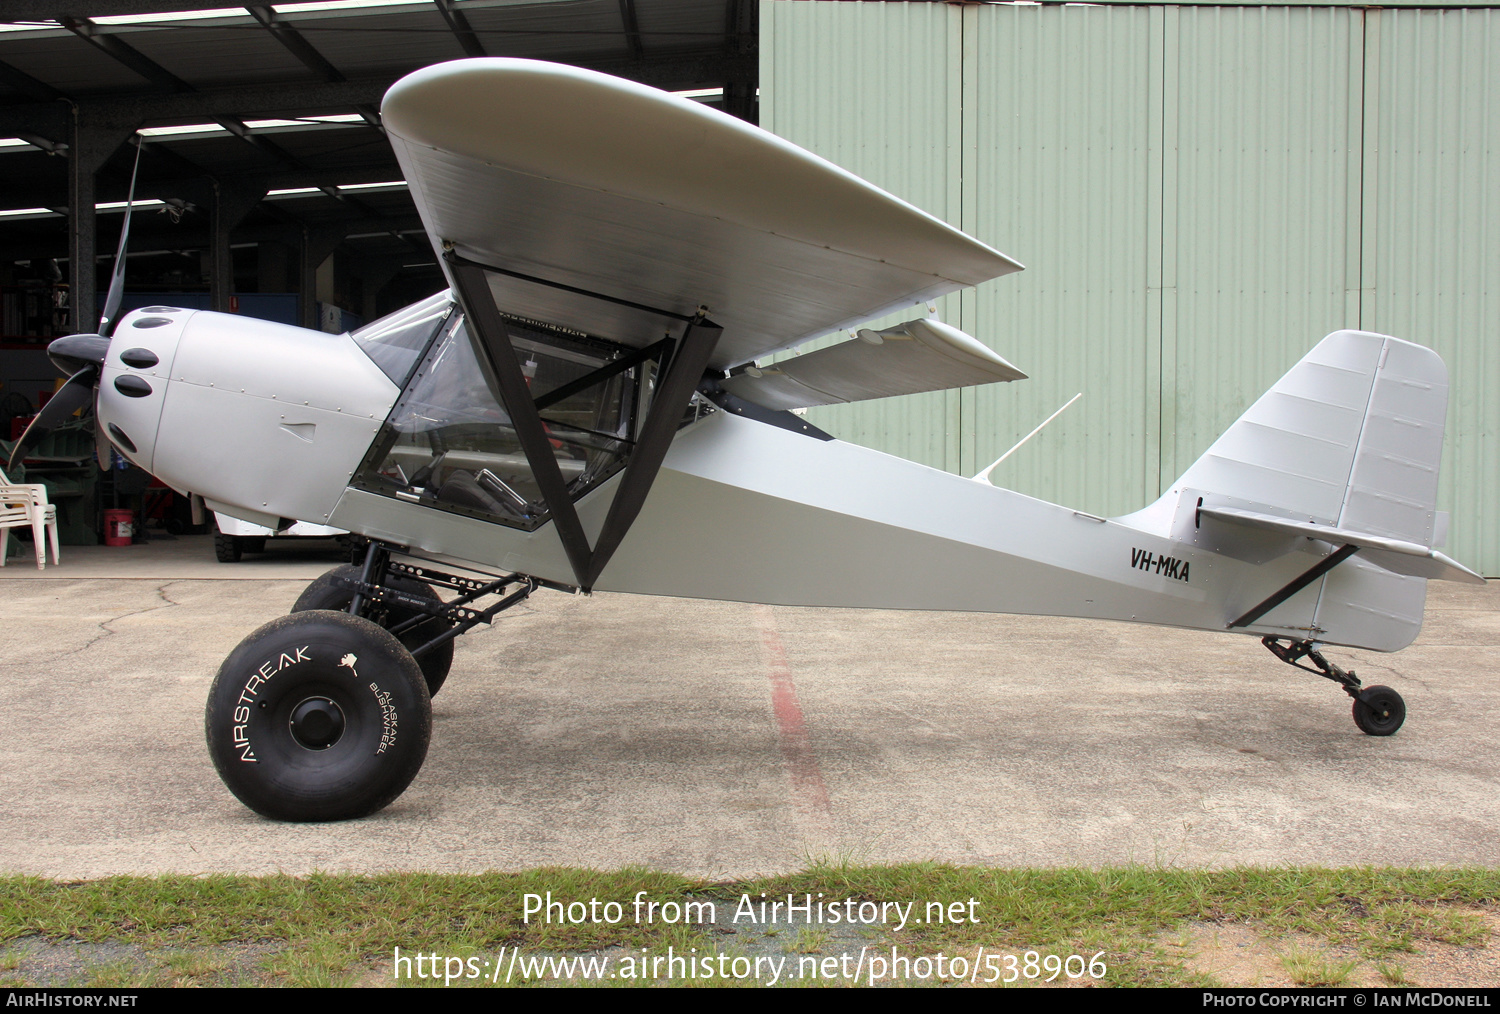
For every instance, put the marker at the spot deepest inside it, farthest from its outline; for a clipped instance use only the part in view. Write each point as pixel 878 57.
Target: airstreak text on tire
pixel 270 667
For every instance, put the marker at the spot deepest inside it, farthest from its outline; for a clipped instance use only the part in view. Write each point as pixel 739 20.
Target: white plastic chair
pixel 25 505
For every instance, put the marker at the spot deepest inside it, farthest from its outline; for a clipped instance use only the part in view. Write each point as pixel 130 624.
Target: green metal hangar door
pixel 1199 194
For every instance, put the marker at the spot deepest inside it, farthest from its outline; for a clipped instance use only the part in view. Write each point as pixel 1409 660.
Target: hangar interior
pixel 265 183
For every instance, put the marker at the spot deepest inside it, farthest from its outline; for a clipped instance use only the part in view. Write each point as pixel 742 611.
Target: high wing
pixel 569 184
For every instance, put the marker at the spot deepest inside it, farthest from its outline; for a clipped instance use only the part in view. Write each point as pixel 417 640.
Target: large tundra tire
pixel 327 593
pixel 318 716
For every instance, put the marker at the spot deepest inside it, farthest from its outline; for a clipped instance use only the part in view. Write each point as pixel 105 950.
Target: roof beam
pixel 25 83
pixel 43 10
pixel 262 144
pixel 124 54
pixel 371 116
pixel 458 24
pixel 162 158
pixel 46 144
pixel 295 43
pixel 159 185
pixel 253 100
pixel 150 234
pixel 243 102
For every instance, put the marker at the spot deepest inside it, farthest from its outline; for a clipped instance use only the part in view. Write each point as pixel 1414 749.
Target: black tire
pixel 227 548
pixel 318 716
pixel 253 543
pixel 324 593
pixel 1379 711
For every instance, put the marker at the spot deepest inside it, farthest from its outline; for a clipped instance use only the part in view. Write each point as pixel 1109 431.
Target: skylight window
pixel 146 202
pixel 340 5
pixel 190 128
pixel 28 26
pixel 147 19
pixel 306 121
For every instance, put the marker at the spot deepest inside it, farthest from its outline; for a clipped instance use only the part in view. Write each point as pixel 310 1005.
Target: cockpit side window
pixel 449 442
pixel 396 341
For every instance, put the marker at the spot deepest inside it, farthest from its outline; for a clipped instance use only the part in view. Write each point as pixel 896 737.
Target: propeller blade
pixel 77 393
pixel 72 353
pixel 117 277
pixel 103 449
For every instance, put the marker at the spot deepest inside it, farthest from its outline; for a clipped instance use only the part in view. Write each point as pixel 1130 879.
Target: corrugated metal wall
pixel 1199 195
pixel 906 138
pixel 1431 264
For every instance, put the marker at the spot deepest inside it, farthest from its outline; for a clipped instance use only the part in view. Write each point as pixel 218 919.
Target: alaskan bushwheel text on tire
pixel 316 716
pixel 326 593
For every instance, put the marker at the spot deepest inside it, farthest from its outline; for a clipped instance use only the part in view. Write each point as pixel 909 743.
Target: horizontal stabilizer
pixel 1396 555
pixel 920 355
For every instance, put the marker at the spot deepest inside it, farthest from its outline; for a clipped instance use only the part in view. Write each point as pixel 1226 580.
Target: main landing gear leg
pixel 326 714
pixel 1378 711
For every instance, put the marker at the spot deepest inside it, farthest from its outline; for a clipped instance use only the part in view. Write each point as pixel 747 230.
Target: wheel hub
pixel 317 723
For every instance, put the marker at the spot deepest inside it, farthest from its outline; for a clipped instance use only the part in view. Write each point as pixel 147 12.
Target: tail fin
pixel 1344 449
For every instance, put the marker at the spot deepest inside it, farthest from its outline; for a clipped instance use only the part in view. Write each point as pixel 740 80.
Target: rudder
pixel 1350 438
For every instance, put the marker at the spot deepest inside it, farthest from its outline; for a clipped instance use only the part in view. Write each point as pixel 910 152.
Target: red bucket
pixel 119 527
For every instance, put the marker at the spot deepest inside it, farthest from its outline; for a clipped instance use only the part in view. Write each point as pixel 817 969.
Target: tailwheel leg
pixel 1378 711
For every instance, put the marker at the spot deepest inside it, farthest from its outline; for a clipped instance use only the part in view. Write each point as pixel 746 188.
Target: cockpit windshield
pixel 396 341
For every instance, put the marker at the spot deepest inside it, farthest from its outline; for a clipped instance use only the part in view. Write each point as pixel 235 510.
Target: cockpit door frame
pixel 674 391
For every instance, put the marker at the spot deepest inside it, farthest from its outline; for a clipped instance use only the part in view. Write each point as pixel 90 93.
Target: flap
pixel 910 358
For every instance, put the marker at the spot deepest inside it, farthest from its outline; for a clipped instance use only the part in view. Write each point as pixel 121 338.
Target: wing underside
pixel 578 184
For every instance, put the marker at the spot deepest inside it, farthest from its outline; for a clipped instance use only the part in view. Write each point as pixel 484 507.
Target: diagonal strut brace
pixel 674 391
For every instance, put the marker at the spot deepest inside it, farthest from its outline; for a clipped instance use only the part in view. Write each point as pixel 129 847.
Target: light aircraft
pixel 584 410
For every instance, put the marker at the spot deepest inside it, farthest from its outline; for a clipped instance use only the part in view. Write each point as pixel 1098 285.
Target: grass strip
pixel 343 929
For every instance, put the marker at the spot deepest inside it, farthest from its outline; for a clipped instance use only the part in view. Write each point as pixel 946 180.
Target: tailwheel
pixel 1379 711
pixel 318 716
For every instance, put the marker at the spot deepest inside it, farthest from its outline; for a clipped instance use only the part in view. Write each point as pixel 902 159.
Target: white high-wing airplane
pixel 583 410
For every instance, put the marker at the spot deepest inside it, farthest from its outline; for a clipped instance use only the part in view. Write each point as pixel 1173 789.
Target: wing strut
pixel 1295 585
pixel 674 390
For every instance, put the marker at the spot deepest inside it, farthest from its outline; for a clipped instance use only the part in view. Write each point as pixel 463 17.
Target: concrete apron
pixel 722 739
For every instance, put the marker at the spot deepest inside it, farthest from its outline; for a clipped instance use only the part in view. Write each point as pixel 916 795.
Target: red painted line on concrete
pixel 802 768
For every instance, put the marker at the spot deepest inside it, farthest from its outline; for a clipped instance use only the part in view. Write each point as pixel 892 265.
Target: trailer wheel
pixel 227 548
pixel 318 716
pixel 327 593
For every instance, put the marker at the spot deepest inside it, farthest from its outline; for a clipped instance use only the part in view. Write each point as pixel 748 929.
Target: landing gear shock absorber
pixel 1378 711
